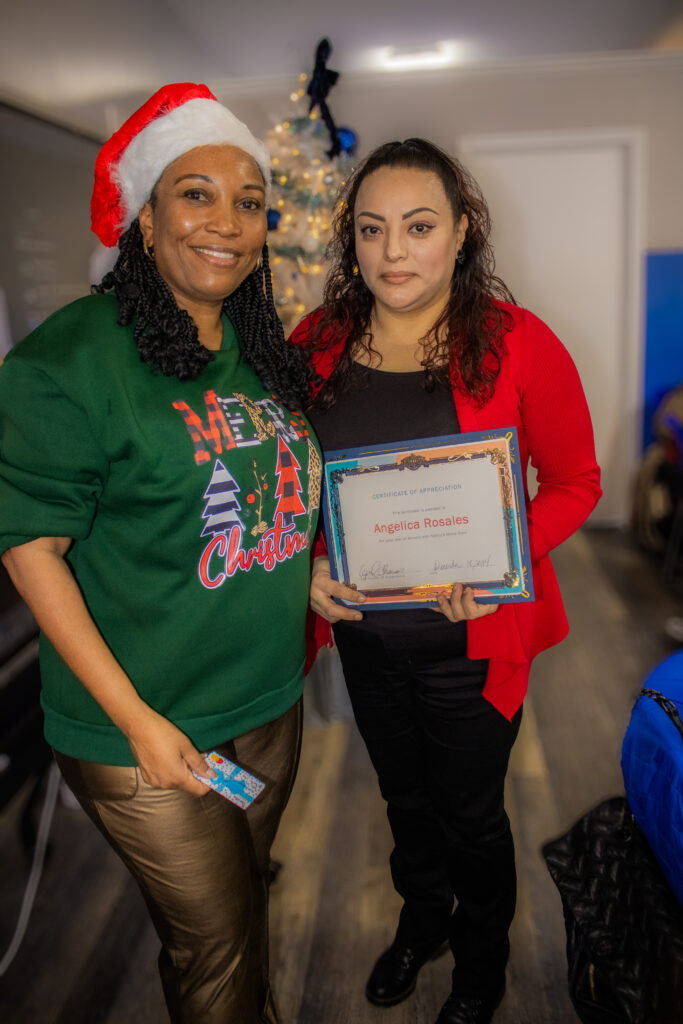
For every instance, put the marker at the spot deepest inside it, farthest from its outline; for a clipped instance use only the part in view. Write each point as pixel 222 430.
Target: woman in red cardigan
pixel 418 338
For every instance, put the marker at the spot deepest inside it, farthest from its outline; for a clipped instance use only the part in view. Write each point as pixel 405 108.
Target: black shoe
pixel 471 1007
pixel 394 976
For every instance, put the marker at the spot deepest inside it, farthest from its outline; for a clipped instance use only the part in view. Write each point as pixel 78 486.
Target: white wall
pixel 636 92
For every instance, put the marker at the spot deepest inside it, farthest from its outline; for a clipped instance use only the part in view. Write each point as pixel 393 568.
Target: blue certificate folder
pixel 406 521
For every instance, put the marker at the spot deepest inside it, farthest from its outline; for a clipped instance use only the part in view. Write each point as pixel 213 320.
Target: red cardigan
pixel 539 392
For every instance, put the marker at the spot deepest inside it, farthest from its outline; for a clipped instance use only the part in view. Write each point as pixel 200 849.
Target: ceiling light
pixel 417 57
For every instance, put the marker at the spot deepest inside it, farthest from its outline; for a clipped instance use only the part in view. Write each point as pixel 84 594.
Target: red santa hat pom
pixel 173 121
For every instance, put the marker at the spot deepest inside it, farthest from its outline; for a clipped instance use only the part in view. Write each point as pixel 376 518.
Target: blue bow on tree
pixel 321 82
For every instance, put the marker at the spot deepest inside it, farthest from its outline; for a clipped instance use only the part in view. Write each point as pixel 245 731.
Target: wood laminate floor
pixel 89 955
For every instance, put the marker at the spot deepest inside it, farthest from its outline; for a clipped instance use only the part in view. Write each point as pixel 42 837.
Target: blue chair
pixel 652 765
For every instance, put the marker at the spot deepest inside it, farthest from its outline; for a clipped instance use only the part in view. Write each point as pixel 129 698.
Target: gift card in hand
pixel 232 782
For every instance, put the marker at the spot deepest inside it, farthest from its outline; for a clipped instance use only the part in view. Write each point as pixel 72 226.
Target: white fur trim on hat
pixel 199 122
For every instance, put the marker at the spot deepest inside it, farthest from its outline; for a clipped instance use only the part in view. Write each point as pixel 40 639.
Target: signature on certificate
pixel 469 563
pixel 378 571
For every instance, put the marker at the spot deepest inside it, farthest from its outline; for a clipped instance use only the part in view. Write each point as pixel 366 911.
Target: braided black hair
pixel 166 335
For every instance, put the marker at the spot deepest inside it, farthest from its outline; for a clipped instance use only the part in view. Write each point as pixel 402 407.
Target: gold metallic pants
pixel 202 865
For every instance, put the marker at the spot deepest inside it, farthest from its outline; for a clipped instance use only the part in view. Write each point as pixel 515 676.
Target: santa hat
pixel 173 121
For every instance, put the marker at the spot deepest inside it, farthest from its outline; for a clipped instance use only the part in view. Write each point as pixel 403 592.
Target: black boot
pixel 394 976
pixel 473 1006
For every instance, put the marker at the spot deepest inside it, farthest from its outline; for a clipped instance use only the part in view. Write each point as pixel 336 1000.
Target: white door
pixel 565 211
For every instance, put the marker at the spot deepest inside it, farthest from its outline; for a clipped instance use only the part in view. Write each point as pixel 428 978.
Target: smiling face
pixel 207 224
pixel 407 239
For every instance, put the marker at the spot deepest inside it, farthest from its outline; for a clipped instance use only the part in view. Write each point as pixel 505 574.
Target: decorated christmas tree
pixel 222 505
pixel 310 157
pixel 288 488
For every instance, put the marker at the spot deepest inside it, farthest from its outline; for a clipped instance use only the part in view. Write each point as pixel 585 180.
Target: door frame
pixel 629 143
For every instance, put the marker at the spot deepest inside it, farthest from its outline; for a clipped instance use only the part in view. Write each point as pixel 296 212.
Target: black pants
pixel 441 753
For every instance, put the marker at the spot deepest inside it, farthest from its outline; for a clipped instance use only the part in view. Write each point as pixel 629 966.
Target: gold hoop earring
pixel 259 263
pixel 355 269
pixel 149 251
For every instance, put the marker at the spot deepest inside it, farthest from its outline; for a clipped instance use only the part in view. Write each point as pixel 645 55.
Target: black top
pixel 393 407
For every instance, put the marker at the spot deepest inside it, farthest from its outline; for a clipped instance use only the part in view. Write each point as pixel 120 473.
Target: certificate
pixel 406 521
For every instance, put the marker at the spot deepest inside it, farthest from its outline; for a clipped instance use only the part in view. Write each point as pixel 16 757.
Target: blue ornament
pixel 273 218
pixel 348 140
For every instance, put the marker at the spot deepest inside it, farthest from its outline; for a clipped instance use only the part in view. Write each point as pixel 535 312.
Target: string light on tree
pixel 309 160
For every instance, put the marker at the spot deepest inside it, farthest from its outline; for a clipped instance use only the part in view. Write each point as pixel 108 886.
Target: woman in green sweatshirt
pixel 158 495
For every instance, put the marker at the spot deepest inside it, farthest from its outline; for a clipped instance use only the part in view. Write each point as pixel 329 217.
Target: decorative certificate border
pixel 442 460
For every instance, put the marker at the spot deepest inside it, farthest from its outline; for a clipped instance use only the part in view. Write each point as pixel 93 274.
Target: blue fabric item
pixel 652 765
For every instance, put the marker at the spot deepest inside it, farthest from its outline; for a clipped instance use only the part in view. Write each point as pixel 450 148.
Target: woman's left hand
pixel 462 605
pixel 165 756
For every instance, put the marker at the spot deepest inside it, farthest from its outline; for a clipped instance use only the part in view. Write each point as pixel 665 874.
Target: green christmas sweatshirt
pixel 191 506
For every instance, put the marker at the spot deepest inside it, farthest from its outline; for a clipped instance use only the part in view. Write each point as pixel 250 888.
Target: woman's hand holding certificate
pixel 461 604
pixel 324 590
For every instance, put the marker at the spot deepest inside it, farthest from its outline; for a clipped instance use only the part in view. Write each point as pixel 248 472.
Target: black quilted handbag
pixel 624 924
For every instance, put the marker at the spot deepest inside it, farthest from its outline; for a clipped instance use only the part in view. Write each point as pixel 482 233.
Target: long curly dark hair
pixel 166 335
pixel 468 335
